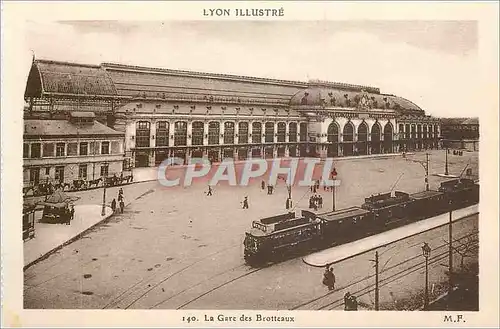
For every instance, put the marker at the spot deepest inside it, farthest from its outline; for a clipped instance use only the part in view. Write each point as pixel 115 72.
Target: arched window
pixel 348 133
pixel 363 132
pixel 243 133
pixel 256 132
pixel 229 132
pixel 348 137
pixel 292 132
pixel 281 132
pixel 375 138
pixel 363 138
pixel 213 133
pixel 388 131
pixel 333 133
pixel 162 129
pixel 142 134
pixel 197 131
pixel 303 132
pixel 180 133
pixel 269 134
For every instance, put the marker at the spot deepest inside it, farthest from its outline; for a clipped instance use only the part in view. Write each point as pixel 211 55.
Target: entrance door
pixel 160 156
pixel 213 156
pixel 141 159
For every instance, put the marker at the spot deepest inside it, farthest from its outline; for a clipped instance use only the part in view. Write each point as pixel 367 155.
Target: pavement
pixel 88 207
pixel 151 173
pixel 176 247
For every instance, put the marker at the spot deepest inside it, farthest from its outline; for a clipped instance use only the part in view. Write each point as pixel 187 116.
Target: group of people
pixel 270 188
pixel 329 278
pixel 350 301
pixel 315 202
pixel 120 201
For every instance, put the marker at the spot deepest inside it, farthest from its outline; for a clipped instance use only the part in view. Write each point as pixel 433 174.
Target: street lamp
pixel 446 163
pixel 426 251
pixel 334 177
pixel 425 165
pixel 103 210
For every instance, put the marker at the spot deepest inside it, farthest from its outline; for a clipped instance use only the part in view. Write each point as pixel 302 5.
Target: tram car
pixel 287 234
pixel 275 236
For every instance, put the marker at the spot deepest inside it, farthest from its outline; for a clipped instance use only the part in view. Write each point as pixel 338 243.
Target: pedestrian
pixel 113 205
pixel 120 197
pixel 315 202
pixel 272 189
pixel 71 213
pixel 332 279
pixel 320 202
pixel 347 301
pixel 245 203
pixel 122 206
pixel 209 193
pixel 354 303
pixel 329 278
pixel 263 185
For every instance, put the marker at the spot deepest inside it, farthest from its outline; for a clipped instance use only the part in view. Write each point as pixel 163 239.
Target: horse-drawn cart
pixel 58 209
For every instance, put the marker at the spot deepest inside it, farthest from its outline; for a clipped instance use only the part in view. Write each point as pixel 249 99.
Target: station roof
pixel 337 95
pixel 70 79
pixel 459 121
pixel 63 128
pixel 118 81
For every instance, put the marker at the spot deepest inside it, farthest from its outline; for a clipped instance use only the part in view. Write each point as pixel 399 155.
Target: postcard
pixel 250 164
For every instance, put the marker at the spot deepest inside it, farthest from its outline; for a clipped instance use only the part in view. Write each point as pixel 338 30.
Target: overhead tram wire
pixel 373 275
pixel 393 278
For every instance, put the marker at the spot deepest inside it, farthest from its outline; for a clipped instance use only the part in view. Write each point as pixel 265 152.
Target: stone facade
pixel 164 113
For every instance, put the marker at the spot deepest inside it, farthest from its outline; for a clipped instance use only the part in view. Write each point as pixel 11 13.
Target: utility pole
pixel 376 281
pixel 103 211
pixel 425 165
pixel 334 178
pixel 450 254
pixel 446 163
pixel 427 171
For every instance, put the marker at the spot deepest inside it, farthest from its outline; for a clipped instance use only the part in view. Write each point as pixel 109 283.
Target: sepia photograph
pixel 258 165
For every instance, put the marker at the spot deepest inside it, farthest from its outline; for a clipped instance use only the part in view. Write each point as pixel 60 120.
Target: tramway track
pixel 399 275
pixel 220 286
pixel 386 281
pixel 196 285
pixel 129 291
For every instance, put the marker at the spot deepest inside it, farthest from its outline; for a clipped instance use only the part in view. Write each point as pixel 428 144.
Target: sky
pixel 432 63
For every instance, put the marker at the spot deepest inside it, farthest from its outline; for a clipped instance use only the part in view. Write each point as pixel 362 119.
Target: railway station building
pixel 163 113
